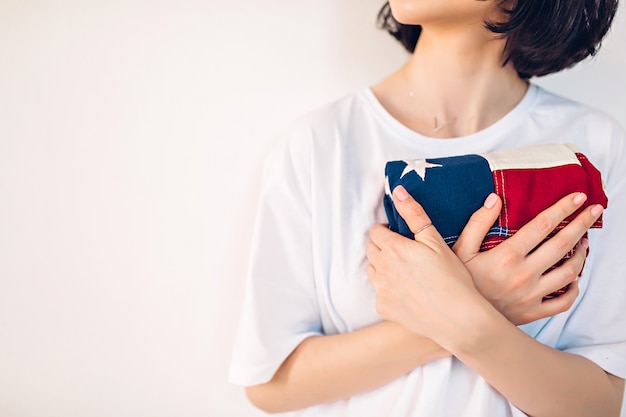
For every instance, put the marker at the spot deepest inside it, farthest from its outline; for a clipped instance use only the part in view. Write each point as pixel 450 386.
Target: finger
pixel 564 302
pixel 557 246
pixel 535 231
pixel 566 273
pixel 372 251
pixel 553 306
pixel 370 271
pixel 412 213
pixel 474 232
pixel 381 235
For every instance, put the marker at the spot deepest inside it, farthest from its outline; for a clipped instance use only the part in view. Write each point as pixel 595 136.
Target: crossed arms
pixel 495 290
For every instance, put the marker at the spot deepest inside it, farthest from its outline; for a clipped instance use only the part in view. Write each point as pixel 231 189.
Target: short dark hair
pixel 542 36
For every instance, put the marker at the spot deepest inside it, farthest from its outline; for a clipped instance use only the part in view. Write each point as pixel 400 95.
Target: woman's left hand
pixel 516 276
pixel 420 284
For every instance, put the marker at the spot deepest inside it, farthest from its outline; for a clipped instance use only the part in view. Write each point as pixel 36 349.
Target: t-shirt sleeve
pixel 280 306
pixel 596 328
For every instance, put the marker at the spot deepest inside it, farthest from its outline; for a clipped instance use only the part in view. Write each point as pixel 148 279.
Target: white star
pixel 419 166
pixel 387 186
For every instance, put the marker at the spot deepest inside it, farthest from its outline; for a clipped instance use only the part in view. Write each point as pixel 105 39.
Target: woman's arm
pixel 539 380
pixel 423 286
pixel 329 368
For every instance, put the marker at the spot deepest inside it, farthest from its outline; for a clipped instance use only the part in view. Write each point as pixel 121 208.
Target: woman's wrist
pixel 476 326
pixel 413 349
pixel 485 332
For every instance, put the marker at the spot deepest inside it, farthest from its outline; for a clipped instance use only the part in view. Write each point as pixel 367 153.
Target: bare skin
pixel 456 69
pixel 455 72
pixel 520 296
pixel 327 368
pixel 415 278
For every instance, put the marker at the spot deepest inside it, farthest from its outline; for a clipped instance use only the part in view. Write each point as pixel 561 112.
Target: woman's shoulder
pixel 595 132
pixel 317 133
pixel 598 134
pixel 326 124
pixel 567 111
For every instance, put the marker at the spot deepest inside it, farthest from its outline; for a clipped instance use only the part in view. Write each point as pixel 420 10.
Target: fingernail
pixel 597 210
pixel 579 198
pixel 584 242
pixel 491 200
pixel 400 193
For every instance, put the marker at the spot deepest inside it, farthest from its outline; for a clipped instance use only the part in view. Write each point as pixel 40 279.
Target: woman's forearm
pixel 539 380
pixel 328 368
pixel 421 285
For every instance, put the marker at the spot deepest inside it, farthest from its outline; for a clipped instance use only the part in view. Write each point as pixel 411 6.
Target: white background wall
pixel 131 138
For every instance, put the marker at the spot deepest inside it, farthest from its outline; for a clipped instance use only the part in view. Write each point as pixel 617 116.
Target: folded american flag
pixel 528 180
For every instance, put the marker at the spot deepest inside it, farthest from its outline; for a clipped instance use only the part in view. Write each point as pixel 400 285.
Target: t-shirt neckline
pixel 506 123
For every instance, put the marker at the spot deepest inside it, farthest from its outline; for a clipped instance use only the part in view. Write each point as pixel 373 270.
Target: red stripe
pixel 527 192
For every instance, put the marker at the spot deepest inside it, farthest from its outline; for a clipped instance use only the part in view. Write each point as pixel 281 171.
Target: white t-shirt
pixel 323 191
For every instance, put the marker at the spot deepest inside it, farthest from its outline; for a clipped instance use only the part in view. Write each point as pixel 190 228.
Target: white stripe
pixel 538 156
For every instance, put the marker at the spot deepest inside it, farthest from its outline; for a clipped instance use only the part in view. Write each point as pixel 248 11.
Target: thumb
pixel 412 212
pixel 474 232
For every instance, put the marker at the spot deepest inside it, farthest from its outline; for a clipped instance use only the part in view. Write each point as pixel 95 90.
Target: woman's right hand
pixel 512 275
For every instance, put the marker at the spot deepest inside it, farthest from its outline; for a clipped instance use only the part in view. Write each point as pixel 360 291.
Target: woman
pixel 343 317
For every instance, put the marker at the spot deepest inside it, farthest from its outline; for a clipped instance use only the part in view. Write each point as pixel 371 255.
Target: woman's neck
pixel 453 85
